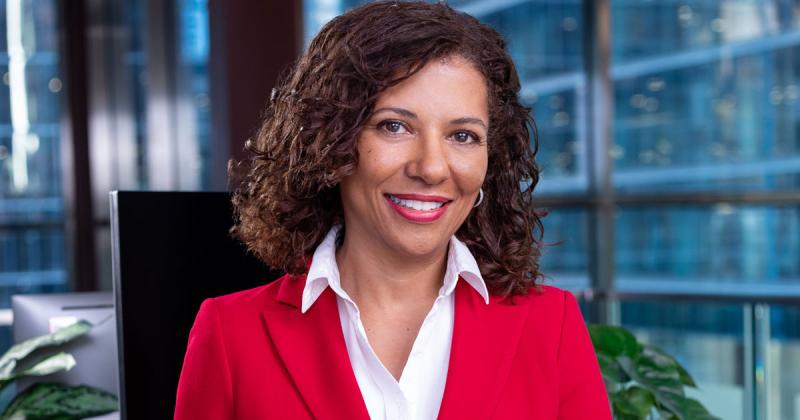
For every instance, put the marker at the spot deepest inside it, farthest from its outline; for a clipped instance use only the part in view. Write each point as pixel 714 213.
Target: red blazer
pixel 254 355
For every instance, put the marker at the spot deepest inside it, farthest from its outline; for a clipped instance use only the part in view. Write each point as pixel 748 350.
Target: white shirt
pixel 418 394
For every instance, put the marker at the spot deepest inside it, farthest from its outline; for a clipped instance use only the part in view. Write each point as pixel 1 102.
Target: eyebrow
pixel 409 114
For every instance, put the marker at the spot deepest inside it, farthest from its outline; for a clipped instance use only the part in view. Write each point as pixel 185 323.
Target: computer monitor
pixel 170 251
pixel 95 353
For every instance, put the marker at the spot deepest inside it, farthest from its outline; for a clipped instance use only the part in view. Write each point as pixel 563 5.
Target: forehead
pixel 451 84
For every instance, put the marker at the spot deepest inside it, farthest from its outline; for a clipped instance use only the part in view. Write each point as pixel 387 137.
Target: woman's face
pixel 422 158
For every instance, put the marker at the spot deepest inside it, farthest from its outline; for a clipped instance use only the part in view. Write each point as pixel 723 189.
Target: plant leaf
pixel 664 414
pixel 611 370
pixel 659 378
pixel 634 402
pixel 659 372
pixel 51 364
pixel 54 401
pixel 623 410
pixel 613 341
pixel 663 382
pixel 640 398
pixel 690 409
pixel 21 350
pixel 686 379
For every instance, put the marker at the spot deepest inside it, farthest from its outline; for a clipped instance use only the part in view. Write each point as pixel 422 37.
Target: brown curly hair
pixel 286 196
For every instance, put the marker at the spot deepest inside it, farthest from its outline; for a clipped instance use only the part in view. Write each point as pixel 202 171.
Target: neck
pixel 376 276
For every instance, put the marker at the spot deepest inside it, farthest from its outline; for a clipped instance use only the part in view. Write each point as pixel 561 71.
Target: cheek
pixel 471 170
pixel 372 169
pixel 376 161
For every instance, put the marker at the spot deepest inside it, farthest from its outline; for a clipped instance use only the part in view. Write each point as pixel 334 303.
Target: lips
pixel 418 208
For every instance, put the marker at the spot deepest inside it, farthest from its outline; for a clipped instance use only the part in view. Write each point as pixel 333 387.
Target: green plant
pixel 642 381
pixel 50 400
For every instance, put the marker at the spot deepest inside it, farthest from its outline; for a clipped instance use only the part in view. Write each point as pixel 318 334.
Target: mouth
pixel 418 208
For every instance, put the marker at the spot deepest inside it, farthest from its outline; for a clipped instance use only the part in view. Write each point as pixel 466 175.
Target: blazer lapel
pixel 312 348
pixel 485 339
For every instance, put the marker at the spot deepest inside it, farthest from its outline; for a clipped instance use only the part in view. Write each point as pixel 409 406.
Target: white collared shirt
pixel 418 394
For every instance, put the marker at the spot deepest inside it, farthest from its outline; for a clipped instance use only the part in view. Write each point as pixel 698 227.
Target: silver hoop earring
pixel 480 198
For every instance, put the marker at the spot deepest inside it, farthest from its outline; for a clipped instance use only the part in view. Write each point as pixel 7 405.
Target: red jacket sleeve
pixel 204 389
pixel 582 394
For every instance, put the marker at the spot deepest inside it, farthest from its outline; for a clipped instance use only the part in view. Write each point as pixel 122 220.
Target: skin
pixel 390 266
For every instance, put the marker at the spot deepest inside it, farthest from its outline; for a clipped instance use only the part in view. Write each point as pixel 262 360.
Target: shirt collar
pixel 324 272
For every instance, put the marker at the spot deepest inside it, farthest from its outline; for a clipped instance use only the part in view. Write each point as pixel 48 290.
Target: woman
pixel 392 180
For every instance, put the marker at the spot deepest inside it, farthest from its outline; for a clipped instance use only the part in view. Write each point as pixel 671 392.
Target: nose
pixel 429 160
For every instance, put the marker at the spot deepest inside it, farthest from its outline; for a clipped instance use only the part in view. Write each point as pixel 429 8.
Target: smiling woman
pixel 422 160
pixel 392 179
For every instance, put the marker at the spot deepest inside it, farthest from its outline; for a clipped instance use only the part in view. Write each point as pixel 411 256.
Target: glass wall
pixel 708 339
pixel 32 253
pixel 150 121
pixel 705 102
pixel 544 39
pixel 781 362
pixel 706 95
pixel 145 60
pixel 718 248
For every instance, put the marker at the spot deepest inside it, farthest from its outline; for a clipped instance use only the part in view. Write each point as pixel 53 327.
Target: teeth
pixel 416 204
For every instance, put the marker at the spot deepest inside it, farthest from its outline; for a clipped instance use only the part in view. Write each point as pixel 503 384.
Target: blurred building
pixel 31 209
pixel 37 157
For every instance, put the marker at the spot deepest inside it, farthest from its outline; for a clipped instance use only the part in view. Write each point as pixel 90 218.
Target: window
pixel 32 251
pixel 148 123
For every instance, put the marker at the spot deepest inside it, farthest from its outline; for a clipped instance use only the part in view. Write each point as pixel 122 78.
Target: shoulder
pixel 547 309
pixel 545 298
pixel 245 302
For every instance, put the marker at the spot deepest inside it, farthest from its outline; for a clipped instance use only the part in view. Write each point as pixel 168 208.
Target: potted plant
pixel 50 400
pixel 642 381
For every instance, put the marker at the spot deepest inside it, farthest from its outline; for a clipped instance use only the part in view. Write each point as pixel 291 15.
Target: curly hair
pixel 286 195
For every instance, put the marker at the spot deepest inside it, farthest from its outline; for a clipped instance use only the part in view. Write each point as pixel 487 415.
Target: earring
pixel 480 198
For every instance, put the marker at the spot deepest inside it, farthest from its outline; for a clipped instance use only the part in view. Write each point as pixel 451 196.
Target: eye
pixel 466 137
pixel 392 127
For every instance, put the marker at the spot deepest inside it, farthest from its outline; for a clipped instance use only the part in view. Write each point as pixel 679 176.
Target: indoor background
pixel 669 134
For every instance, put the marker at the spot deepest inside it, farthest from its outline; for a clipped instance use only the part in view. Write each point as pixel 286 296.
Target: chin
pixel 418 243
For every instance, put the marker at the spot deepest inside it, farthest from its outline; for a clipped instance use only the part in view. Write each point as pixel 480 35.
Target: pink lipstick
pixel 418 215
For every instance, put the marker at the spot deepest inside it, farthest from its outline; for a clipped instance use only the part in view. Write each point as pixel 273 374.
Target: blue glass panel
pixel 544 40
pixel 658 28
pixel 194 43
pixel 135 59
pixel 713 249
pixel 783 369
pixel 707 95
pixel 32 260
pixel 32 251
pixel 707 339
pixel 6 340
pixel 544 37
pixel 561 155
pixel 565 254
